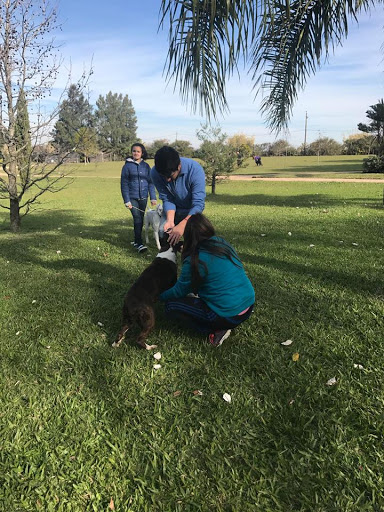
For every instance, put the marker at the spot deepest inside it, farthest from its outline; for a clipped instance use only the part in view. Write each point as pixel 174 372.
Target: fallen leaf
pixel 177 393
pixel 287 343
pixel 111 504
pixel 157 366
pixel 58 252
pixel 289 233
pixel 157 356
pixel 295 356
pixel 332 381
pixel 197 392
pixel 227 397
pixel 263 234
pixel 6 297
pixel 100 324
pixel 311 245
pixel 18 332
pixel 34 301
pixel 291 401
pixel 355 244
pixel 358 366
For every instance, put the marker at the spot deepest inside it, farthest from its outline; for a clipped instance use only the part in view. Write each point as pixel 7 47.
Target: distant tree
pixel 86 143
pixel 183 147
pixel 242 145
pixel 75 112
pixel 324 146
pixel 156 144
pixel 219 158
pixel 376 114
pixel 28 68
pixel 116 124
pixel 281 147
pixel 23 135
pixel 358 144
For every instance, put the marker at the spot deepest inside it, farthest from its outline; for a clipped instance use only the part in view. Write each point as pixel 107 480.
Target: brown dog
pixel 140 298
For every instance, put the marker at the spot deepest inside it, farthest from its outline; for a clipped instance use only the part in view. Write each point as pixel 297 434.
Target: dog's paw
pixel 149 347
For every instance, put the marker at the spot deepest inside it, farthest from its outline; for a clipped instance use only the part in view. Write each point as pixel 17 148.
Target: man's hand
pixel 168 226
pixel 176 233
pixel 153 202
pixel 129 205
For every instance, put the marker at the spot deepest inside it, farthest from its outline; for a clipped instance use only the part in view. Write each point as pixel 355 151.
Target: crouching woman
pixel 224 296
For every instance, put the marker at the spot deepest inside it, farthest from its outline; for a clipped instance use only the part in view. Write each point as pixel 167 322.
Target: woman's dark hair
pixel 198 235
pixel 144 154
pixel 167 161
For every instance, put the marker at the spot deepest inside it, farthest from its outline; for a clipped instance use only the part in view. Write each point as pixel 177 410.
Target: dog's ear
pixel 178 247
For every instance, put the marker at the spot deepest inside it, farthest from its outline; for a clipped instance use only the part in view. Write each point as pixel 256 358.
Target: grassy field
pixel 82 424
pixel 345 166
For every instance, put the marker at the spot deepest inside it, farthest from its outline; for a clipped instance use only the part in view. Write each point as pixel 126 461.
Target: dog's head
pixel 169 251
pixel 159 209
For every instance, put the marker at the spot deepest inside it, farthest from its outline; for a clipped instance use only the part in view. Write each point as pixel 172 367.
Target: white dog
pixel 153 218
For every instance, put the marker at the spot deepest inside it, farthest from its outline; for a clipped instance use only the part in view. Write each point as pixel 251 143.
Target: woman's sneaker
pixel 142 248
pixel 216 339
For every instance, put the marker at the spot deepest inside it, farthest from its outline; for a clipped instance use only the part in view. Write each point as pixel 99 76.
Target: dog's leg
pixel 146 320
pixel 156 235
pixel 121 336
pixel 146 219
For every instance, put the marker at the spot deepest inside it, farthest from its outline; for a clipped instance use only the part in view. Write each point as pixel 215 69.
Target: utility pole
pixel 305 135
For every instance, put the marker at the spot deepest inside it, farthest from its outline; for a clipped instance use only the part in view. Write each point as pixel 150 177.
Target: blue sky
pixel 127 52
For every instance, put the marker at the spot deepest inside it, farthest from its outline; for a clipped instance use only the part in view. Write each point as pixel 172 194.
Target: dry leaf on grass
pixel 332 381
pixel 227 397
pixel 287 343
pixel 295 356
pixel 100 324
pixel 197 392
pixel 157 356
pixel 358 366
pixel 111 505
pixel 157 366
pixel 177 393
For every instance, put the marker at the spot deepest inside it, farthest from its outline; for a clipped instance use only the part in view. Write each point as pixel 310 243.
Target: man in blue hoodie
pixel 181 185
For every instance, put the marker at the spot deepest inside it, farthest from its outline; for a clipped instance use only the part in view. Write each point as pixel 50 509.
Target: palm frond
pixel 206 40
pixel 291 41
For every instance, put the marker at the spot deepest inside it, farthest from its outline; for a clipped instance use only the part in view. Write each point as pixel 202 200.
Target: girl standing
pixel 136 184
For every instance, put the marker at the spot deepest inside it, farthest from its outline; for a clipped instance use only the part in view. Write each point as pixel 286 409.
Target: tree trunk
pixel 213 184
pixel 14 201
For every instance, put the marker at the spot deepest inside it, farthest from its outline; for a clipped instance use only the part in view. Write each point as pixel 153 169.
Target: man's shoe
pixel 216 339
pixel 135 245
pixel 142 248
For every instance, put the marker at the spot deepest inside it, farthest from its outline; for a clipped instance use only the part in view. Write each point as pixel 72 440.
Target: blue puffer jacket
pixel 136 181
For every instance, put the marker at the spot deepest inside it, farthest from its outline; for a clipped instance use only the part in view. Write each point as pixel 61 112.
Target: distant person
pixel 224 296
pixel 181 185
pixel 136 184
pixel 257 160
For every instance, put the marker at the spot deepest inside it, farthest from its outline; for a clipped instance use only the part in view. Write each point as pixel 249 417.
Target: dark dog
pixel 140 298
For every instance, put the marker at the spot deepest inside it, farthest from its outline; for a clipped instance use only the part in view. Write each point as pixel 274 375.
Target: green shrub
pixel 373 164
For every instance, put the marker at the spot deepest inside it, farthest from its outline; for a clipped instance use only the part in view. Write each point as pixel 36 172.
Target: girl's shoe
pixel 142 248
pixel 216 339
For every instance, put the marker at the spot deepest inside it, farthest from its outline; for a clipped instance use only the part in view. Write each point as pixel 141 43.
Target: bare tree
pixel 29 64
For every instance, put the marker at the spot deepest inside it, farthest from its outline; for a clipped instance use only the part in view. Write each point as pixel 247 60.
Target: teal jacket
pixel 225 287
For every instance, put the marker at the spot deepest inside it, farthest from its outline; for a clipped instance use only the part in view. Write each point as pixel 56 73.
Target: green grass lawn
pixel 81 423
pixel 343 166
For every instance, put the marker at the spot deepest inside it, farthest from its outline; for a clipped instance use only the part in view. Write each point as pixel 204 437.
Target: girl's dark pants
pixel 138 218
pixel 196 313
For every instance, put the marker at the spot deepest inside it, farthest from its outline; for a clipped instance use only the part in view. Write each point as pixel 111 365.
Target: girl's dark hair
pixel 144 154
pixel 198 235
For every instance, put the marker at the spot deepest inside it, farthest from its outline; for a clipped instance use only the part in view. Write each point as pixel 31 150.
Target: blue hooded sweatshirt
pixel 136 181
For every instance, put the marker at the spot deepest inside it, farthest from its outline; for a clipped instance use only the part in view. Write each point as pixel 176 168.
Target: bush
pixel 373 164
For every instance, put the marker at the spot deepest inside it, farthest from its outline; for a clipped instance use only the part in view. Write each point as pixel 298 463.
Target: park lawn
pixel 82 423
pixel 342 166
